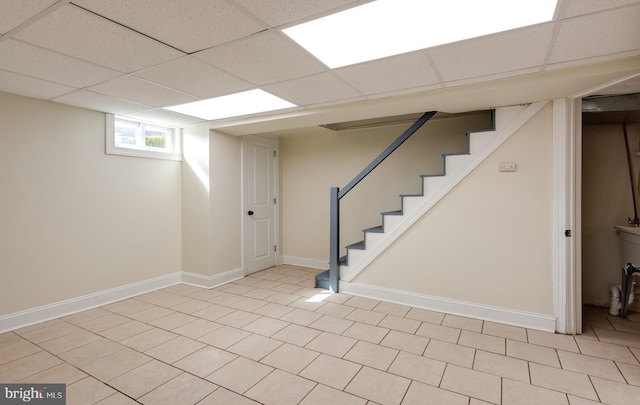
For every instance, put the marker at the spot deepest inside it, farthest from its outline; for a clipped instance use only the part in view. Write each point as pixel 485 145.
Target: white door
pixel 260 162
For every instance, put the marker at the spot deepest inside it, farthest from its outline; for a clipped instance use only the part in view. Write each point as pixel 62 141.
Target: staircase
pixel 456 167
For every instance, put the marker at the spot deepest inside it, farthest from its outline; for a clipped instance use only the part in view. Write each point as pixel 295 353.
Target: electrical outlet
pixel 507 167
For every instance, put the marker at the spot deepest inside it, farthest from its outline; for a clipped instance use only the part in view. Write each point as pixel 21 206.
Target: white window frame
pixel 173 152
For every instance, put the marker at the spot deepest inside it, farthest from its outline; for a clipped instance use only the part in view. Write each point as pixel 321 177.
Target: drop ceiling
pixel 135 57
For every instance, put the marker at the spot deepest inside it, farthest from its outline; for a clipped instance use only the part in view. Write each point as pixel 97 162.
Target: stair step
pixel 391 219
pixel 322 280
pixel 359 245
pixel 454 163
pixel 375 229
pixel 410 202
pixel 431 183
pixel 503 116
pixel 479 140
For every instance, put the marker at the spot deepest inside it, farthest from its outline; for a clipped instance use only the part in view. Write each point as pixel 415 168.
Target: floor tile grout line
pixel 386 315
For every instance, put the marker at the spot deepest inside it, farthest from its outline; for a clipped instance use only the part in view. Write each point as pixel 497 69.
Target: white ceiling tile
pixel 579 7
pixel 509 51
pixel 279 12
pixel 73 31
pixel 192 76
pixel 29 86
pixel 605 33
pixel 390 74
pixel 167 117
pixel 20 57
pixel 188 25
pixel 263 58
pixel 141 91
pixel 15 12
pixel 317 89
pixel 100 102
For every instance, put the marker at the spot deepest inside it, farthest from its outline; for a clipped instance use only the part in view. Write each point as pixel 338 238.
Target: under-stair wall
pixel 484 250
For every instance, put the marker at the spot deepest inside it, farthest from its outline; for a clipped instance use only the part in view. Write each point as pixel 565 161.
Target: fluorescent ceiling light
pixel 391 27
pixel 233 105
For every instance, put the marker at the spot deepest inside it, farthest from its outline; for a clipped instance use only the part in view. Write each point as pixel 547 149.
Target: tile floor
pixel 271 338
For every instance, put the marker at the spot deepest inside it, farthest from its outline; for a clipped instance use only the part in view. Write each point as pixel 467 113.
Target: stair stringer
pixel 365 257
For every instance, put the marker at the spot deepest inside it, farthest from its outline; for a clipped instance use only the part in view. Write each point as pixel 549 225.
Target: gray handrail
pixel 337 194
pixel 385 153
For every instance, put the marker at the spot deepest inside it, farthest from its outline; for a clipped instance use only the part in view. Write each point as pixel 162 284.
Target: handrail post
pixel 334 235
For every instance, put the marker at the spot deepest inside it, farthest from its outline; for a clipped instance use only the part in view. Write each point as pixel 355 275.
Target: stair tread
pixel 359 245
pixel 376 229
pixel 322 280
pixel 398 212
pixel 455 154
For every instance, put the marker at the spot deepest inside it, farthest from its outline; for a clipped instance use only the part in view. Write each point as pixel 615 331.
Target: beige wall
pixel 489 240
pixel 311 165
pixel 606 202
pixel 74 220
pixel 226 202
pixel 196 210
pixel 211 198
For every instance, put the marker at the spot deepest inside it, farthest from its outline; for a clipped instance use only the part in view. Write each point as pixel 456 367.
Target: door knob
pixel 250 212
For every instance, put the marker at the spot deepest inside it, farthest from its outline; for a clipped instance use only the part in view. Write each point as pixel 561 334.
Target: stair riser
pixel 479 140
pixel 372 238
pixel 355 255
pixel 410 204
pixel 431 184
pixel 391 222
pixel 506 115
pixel 456 163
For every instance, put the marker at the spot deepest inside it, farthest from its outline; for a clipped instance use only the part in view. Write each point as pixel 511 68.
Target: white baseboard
pixel 468 309
pixel 32 316
pixel 216 280
pixel 303 262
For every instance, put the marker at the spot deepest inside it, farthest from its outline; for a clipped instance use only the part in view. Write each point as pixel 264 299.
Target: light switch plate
pixel 507 167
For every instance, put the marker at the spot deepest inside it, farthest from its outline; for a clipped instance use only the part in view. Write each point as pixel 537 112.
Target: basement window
pixel 129 137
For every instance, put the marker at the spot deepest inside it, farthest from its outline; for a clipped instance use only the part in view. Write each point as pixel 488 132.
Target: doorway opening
pixel 610 189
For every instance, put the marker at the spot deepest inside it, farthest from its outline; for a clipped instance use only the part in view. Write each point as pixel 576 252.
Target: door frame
pixel 567 203
pixel 567 224
pixel 276 192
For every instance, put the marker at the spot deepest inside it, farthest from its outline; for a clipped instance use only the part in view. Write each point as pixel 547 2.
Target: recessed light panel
pixel 233 105
pixel 391 27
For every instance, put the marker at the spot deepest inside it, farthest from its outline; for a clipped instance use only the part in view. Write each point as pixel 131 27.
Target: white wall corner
pixel 304 262
pixel 216 280
pixel 507 316
pixel 43 313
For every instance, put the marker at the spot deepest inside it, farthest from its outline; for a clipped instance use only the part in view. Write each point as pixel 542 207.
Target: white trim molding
pixel 566 289
pixel 43 313
pixel 216 280
pixel 304 262
pixel 468 309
